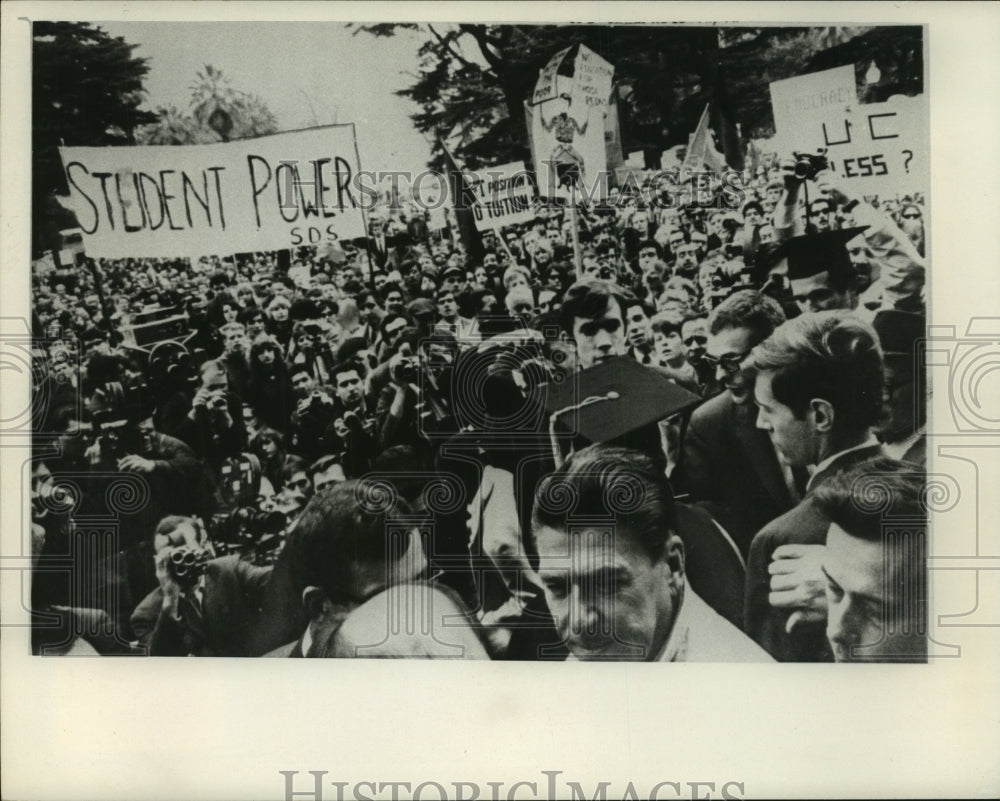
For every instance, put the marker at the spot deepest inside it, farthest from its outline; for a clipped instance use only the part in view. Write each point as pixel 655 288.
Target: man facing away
pixel 818 385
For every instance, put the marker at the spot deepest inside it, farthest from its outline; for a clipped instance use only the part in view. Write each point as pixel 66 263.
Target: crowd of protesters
pixel 222 491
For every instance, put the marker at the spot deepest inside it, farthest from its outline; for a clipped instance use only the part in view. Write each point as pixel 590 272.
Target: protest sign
pixel 799 102
pixel 504 195
pixel 567 125
pixel 269 193
pixel 879 148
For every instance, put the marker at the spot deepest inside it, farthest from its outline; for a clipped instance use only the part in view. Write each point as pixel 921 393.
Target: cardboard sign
pixel 274 192
pixel 504 195
pixel 880 148
pixel 799 102
pixel 567 126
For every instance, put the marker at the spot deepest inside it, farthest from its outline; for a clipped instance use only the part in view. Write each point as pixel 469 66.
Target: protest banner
pixel 504 195
pixel 567 124
pixel 269 193
pixel 879 148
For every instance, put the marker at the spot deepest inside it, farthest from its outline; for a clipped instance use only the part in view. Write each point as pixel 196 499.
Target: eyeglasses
pixel 730 362
pixel 911 216
pixel 695 340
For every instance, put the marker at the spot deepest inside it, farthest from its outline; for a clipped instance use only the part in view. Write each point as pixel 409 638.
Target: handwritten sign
pixel 274 192
pixel 504 195
pixel 566 126
pixel 880 148
pixel 801 101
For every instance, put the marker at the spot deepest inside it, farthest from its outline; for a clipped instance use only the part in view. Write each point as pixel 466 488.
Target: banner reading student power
pixel 274 192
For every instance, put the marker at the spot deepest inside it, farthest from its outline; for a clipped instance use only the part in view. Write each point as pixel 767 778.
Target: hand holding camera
pixel 178 570
pixel 833 187
pixel 403 367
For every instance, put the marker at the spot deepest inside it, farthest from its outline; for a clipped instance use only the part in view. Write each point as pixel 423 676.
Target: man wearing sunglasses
pixel 729 466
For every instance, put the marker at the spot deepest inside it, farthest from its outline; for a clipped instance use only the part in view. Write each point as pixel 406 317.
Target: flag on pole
pixel 701 150
pixel 698 144
pixel 463 197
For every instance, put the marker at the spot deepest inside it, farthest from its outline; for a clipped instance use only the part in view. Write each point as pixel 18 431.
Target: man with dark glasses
pixel 728 467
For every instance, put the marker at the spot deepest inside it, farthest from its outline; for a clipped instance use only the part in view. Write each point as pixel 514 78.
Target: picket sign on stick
pixel 577 254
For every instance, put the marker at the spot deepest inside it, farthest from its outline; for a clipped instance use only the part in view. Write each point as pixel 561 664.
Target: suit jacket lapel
pixel 757 446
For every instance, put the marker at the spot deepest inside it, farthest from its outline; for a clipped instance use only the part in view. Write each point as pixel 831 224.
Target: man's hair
pixel 747 309
pixel 648 309
pixel 650 243
pixel 590 299
pixel 212 366
pixel 232 328
pixel 862 499
pixel 390 318
pixel 324 463
pixel 511 272
pixel 350 365
pixel 830 355
pixel 665 323
pixel 690 318
pixel 392 286
pixel 343 525
pixel 611 483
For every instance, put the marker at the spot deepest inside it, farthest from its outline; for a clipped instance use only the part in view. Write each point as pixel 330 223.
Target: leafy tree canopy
pixel 474 78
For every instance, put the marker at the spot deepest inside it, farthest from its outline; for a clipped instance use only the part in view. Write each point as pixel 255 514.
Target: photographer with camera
pixel 214 426
pixel 310 349
pixel 312 425
pixel 818 264
pixel 100 452
pixel 355 426
pixel 204 606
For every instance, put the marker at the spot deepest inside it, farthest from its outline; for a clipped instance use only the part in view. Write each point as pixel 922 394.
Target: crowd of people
pixel 343 438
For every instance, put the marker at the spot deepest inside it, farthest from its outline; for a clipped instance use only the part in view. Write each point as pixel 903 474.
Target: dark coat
pixel 730 468
pixel 803 525
pixel 231 602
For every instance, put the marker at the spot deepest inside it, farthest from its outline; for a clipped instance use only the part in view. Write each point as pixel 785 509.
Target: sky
pixel 308 74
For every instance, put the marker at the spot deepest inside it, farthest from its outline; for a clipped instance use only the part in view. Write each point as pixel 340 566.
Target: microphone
pixel 554 417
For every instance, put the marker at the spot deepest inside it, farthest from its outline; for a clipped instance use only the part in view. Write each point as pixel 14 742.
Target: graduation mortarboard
pixel 616 402
pixel 823 252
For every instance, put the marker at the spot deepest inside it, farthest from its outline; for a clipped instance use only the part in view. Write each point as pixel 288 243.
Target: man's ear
pixel 316 602
pixel 822 414
pixel 675 554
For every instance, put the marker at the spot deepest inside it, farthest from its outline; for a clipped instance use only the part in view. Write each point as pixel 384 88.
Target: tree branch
pixel 447 45
pixel 478 32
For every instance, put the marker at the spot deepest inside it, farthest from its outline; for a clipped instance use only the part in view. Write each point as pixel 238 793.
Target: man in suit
pixel 613 566
pixel 818 385
pixel 384 248
pixel 729 466
pixel 206 608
